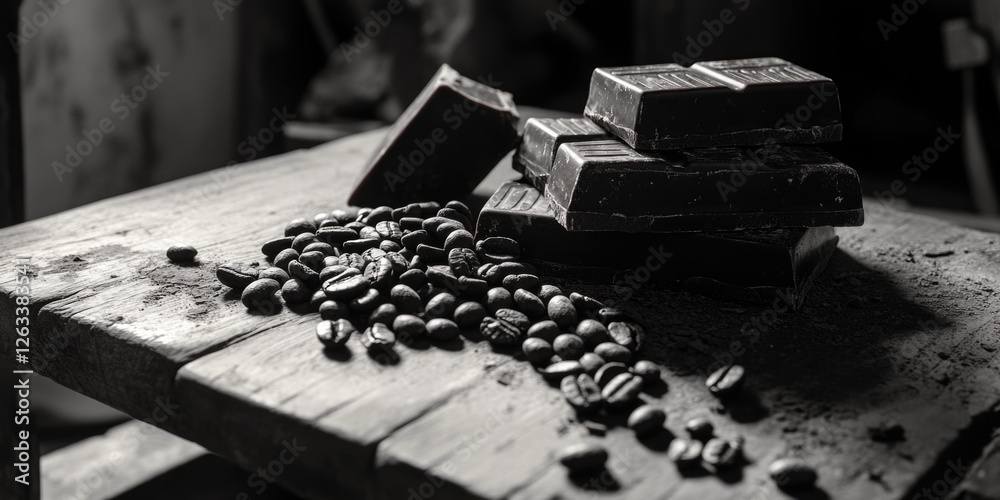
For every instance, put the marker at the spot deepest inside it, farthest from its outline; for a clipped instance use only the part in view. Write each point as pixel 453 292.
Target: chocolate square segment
pixel 607 186
pixel 542 138
pixel 744 102
pixel 446 142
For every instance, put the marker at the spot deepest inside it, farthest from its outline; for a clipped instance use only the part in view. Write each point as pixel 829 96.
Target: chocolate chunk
pixel 607 186
pixel 786 261
pixel 724 103
pixel 542 138
pixel 442 146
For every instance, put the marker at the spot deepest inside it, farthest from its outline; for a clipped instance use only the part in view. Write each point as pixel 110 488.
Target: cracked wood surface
pixel 901 328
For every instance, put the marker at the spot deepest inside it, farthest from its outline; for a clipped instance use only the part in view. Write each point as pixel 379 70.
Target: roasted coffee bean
pixel 525 281
pixel 585 304
pixel 384 313
pixel 562 311
pixel 303 240
pixel 568 346
pixel 299 226
pixel 330 271
pixel 411 224
pixel 455 215
pixel 417 262
pixel 362 214
pixel 721 453
pixel 581 392
pixel 409 326
pixel 334 334
pixel 334 309
pixel 416 238
pixel 378 337
pixel 699 428
pixel 508 268
pixel 336 235
pixel 459 239
pixel 498 249
pixel 389 230
pixel 260 295
pixel 331 260
pixel 469 314
pixel 608 372
pixel 646 419
pixel 378 214
pixel 726 381
pixel 272 247
pixel 498 298
pixel 442 305
pixel 295 291
pixel 344 215
pixel 360 245
pixel 441 276
pixel 284 257
pixel 547 330
pixel 584 457
pixel 593 332
pixel 236 276
pixel 463 262
pixel 627 334
pixel 685 453
pixel 316 299
pixel 472 287
pixel 613 352
pixel 313 260
pixel 399 263
pixel 514 317
pixel 382 274
pixel 560 370
pixel 792 473
pixel 431 223
pixel 431 254
pixel 346 285
pixel 301 271
pixel 536 350
pixel 529 304
pixel 441 329
pixel 608 315
pixel 429 291
pixel 406 254
pixel 373 254
pixel 546 292
pixel 320 217
pixel 413 278
pixel 325 248
pixel 366 302
pixel 331 222
pixel 484 270
pixel 622 390
pixel 591 363
pixel 462 208
pixel 353 260
pixel 444 230
pixel 406 299
pixel 369 233
pixel 648 370
pixel 500 333
pixel 389 246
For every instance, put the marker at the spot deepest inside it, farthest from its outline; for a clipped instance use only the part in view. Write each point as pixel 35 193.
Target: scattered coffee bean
pixel 608 372
pixel 593 332
pixel 609 315
pixel 334 310
pixel 385 314
pixel 275 273
pixel 303 240
pixel 272 247
pixel 299 226
pixel 726 381
pixel 627 334
pixel 330 271
pixel 284 257
pixel 335 235
pixel 721 453
pixel 514 317
pixel 378 337
pixel 389 246
pixel 377 215
pixel 562 311
pixel 260 295
pixel 431 253
pixel 414 239
pixel 295 291
pixel 444 230
pixel 581 392
pixel 622 390
pixel 409 326
pixel 389 230
pixel 529 304
pixel 455 215
pixel 583 457
pixel 373 254
pixel 441 276
pixel 568 346
pixel 442 330
pixel 559 370
pixel 334 334
pixel 431 223
pixel 442 305
pixel 472 287
pixel 312 260
pixel 613 352
pixel 685 453
pixel 367 302
pixel 344 215
pixel 236 276
pixel 648 370
pixel 413 278
pixel 646 419
pixel 182 253
pixel 526 281
pixel 411 224
pixel 508 268
pixel 346 285
pixel 546 292
pixel 320 217
pixel 321 247
pixel 317 299
pixel 591 363
pixel 460 207
pixel 792 473
pixel 406 299
pixel 585 304
pixel 500 333
pixel 498 249
pixel 547 330
pixel 301 271
pixel 498 298
pixel 459 239
pixel 381 274
pixel 360 245
pixel 469 314
pixel 700 428
pixel 463 262
pixel 536 350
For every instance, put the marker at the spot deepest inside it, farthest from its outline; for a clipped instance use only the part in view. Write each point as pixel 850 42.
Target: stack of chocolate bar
pixel 703 177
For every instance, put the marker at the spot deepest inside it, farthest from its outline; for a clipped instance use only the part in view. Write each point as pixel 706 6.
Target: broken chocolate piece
pixel 607 186
pixel 542 138
pixel 784 261
pixel 442 146
pixel 724 103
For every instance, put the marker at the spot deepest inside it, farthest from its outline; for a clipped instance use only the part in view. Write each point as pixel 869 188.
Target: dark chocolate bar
pixel 542 138
pixel 749 265
pixel 442 146
pixel 725 103
pixel 607 186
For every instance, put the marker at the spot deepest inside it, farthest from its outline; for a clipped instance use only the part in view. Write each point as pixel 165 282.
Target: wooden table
pixel 900 329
